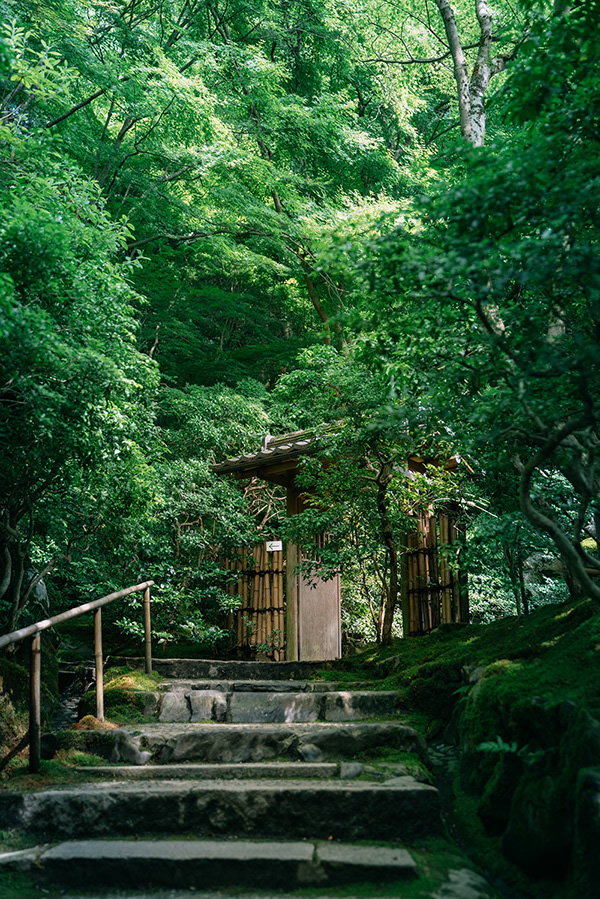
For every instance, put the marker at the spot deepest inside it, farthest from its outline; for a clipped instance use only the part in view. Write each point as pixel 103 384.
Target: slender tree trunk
pixel 471 88
pixel 383 481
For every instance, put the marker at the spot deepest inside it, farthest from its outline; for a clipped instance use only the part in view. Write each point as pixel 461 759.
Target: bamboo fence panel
pixel 432 587
pixel 259 622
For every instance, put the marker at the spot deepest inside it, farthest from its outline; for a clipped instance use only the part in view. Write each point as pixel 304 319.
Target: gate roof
pixel 276 461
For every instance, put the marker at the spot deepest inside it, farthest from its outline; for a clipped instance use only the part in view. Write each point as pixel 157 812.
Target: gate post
pixel 35 710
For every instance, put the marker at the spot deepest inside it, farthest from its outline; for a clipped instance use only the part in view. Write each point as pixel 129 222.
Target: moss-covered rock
pixel 539 836
pixel 586 854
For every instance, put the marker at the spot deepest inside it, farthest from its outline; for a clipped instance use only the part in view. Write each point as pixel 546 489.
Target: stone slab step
pixel 316 742
pixel 180 706
pixel 214 771
pixel 401 810
pixel 182 863
pixel 210 669
pixel 261 686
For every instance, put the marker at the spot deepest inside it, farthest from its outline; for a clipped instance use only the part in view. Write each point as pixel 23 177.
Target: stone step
pixel 244 707
pixel 211 669
pixel 260 686
pixel 214 771
pixel 173 743
pixel 285 865
pixel 399 810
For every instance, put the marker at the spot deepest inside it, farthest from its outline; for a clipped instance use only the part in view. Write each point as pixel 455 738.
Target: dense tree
pixel 495 301
pixel 360 491
pixel 202 189
pixel 73 388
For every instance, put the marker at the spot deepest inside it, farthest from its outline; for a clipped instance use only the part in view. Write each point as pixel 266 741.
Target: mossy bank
pixel 520 700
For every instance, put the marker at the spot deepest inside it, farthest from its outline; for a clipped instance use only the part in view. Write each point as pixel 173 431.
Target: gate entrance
pixel 432 589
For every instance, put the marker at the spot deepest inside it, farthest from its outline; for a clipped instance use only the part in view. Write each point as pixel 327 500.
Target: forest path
pixel 245 782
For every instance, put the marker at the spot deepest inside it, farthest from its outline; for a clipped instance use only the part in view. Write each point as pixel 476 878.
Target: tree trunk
pixel 383 481
pixel 471 90
pixel 578 580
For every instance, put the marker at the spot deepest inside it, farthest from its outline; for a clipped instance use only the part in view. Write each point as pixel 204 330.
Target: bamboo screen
pixel 434 586
pixel 259 623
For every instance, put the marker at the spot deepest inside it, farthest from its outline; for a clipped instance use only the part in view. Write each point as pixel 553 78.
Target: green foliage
pixel 492 302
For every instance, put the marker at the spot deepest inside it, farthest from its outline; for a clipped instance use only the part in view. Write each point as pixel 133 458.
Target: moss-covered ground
pixel 553 653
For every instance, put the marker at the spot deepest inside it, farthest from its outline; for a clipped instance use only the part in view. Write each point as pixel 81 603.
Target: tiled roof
pixel 273 450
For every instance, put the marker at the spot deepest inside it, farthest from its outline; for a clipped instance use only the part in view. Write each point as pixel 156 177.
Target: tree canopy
pixel 221 220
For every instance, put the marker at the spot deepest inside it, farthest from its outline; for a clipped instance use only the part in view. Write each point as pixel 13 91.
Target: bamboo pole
pixel 99 664
pixel 147 631
pixel 263 584
pixel 35 705
pixel 239 589
pixel 281 606
pixel 448 606
pixel 15 636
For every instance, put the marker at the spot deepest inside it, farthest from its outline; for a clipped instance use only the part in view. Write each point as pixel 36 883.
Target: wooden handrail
pixel 30 630
pixel 33 631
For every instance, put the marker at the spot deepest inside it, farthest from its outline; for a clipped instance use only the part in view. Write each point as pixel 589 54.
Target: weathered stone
pixel 208 669
pixel 174 708
pixel 256 742
pixel 204 704
pixel 350 770
pixel 351 705
pixel 126 750
pixel 263 708
pixel 347 863
pixel 215 770
pixel 48 745
pixel 176 863
pixel 540 829
pixel 308 752
pixel 150 700
pixel 220 708
pixel 353 810
pixel 587 831
pixel 463 883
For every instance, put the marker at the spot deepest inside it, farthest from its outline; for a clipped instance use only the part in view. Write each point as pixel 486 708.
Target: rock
pixel 204 704
pixel 494 806
pixel 464 884
pixel 308 752
pixel 539 835
pixel 587 831
pixel 125 750
pixel 351 705
pixel 263 708
pixel 350 810
pixel 151 701
pixel 350 770
pixel 140 864
pixel 174 708
pixel 49 745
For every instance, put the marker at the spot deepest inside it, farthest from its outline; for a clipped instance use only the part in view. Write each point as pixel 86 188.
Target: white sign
pixel 274 546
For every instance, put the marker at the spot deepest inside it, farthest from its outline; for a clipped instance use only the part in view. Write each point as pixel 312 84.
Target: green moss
pixel 125 678
pixel 14 682
pixel 16 886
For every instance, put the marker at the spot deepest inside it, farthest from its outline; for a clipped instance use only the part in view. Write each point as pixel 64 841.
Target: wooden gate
pixel 435 590
pixel 259 623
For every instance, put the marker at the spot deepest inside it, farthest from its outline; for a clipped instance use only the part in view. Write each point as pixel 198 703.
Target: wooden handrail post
pixel 99 664
pixel 147 631
pixel 35 705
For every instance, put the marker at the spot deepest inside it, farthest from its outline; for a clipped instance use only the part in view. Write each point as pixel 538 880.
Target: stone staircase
pixel 248 774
